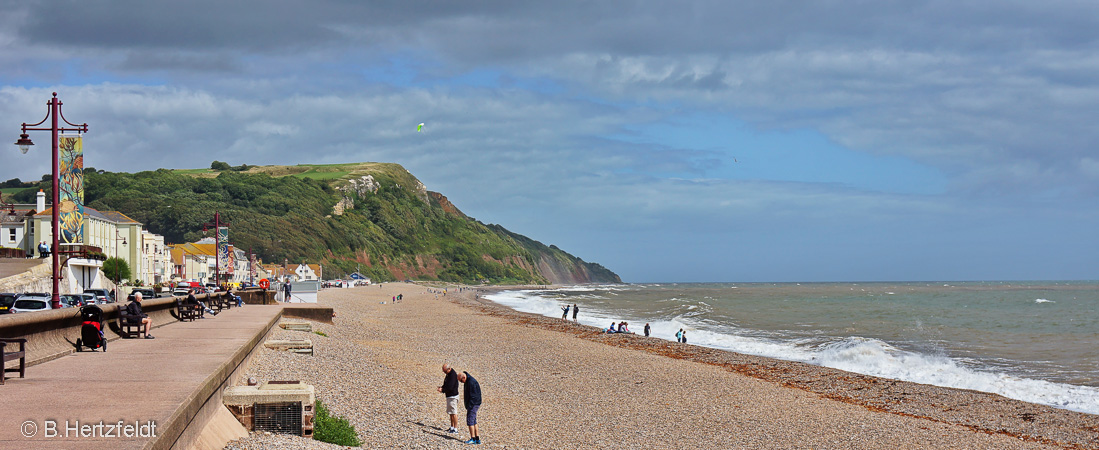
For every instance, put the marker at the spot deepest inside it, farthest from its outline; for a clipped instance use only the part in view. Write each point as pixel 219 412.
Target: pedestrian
pixel 684 337
pixel 565 314
pixel 646 329
pixel 575 309
pixel 286 287
pixel 450 390
pixel 472 400
pixel 679 335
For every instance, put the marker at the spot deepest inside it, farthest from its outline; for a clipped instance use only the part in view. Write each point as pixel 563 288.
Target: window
pixel 11 235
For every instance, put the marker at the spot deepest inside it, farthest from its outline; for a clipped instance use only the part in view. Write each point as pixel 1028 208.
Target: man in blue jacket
pixel 472 400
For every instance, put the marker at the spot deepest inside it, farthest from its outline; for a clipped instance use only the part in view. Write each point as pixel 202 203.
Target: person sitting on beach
pixel 611 329
pixel 623 327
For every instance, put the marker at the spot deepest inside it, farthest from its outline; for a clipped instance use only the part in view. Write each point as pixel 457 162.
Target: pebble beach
pixel 553 384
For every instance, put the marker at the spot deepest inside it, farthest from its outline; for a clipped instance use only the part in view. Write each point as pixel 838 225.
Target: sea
pixel 1031 341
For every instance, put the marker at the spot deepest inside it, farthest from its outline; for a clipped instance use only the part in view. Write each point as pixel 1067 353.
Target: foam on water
pixel 854 354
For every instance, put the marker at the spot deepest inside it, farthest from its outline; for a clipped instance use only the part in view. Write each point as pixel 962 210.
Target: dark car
pixel 6 300
pixel 146 293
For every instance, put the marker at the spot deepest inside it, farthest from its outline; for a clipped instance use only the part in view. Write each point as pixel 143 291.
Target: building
pixel 308 272
pixel 116 234
pixel 13 229
pixel 194 261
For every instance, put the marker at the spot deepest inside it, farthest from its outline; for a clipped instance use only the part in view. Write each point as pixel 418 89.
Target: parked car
pixel 145 293
pixel 6 300
pixel 101 295
pixel 72 300
pixel 31 302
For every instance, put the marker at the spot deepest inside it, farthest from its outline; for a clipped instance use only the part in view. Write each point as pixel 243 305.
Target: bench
pixel 130 326
pixel 21 355
pixel 185 311
pixel 219 301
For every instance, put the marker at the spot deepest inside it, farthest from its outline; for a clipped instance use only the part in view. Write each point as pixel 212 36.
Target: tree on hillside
pixel 218 165
pixel 116 269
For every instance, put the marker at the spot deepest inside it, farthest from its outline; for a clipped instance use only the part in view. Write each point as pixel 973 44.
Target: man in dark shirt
pixel 450 390
pixel 472 400
pixel 134 311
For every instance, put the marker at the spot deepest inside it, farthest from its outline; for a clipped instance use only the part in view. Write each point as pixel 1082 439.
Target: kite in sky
pixel 420 127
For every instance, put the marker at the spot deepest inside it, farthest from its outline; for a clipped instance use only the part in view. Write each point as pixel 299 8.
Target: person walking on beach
pixel 565 315
pixel 679 335
pixel 472 399
pixel 684 337
pixel 450 390
pixel 575 310
pixel 646 330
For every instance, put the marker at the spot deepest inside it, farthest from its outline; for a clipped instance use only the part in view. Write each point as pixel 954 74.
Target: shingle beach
pixel 551 384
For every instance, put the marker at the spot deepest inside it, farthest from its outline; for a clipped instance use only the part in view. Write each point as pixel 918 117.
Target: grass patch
pixel 321 333
pixel 320 175
pixel 192 171
pixel 333 429
pixel 13 191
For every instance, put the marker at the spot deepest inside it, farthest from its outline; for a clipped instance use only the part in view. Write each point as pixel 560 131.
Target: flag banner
pixel 223 247
pixel 231 267
pixel 70 189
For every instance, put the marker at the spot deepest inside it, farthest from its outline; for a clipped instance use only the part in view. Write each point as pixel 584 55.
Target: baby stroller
pixel 91 333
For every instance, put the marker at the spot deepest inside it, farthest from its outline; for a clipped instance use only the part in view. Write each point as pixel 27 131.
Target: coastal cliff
pixel 372 218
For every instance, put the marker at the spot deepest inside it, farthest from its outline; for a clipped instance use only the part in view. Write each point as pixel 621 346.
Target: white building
pixel 308 272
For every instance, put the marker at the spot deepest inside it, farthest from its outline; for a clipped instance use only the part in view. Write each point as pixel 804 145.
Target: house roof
pixel 109 216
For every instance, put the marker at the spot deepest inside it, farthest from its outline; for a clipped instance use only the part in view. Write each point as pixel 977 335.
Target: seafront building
pixel 114 233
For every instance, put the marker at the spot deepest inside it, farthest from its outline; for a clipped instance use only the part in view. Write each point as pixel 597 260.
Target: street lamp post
pixel 117 237
pixel 24 143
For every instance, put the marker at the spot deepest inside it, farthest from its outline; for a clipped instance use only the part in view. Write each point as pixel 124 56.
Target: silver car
pixel 31 302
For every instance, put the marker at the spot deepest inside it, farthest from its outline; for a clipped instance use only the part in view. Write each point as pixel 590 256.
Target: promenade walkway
pixel 146 382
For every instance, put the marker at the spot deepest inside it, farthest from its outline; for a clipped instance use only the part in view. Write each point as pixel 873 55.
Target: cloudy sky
pixel 669 141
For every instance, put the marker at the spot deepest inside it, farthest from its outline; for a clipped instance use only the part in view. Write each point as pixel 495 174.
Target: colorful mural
pixel 71 189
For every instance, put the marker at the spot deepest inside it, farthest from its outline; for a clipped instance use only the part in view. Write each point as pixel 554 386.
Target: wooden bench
pixel 185 311
pixel 21 355
pixel 219 302
pixel 130 326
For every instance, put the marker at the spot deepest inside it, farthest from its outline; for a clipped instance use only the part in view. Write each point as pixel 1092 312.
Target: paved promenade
pixel 140 382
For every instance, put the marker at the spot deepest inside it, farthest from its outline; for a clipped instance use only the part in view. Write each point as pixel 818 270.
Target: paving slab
pixel 140 382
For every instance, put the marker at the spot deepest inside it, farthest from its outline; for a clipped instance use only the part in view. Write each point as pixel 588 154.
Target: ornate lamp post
pixel 24 143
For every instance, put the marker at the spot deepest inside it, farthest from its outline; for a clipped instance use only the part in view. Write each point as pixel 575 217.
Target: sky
pixel 668 141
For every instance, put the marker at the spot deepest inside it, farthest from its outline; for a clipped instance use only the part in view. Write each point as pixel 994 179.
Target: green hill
pixel 376 218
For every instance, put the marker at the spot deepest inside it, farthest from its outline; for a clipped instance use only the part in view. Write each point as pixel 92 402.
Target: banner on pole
pixel 223 247
pixel 70 189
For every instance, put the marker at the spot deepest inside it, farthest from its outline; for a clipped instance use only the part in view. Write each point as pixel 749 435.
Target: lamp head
pixel 24 143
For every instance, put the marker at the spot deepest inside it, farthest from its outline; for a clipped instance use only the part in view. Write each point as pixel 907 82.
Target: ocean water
pixel 1036 342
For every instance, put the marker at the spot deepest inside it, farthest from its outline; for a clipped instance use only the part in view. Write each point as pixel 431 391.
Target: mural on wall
pixel 70 185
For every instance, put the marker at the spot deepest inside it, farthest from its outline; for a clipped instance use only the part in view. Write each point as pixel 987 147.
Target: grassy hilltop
pixel 372 217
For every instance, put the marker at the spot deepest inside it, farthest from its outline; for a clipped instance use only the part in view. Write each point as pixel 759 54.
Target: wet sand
pixel 549 383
